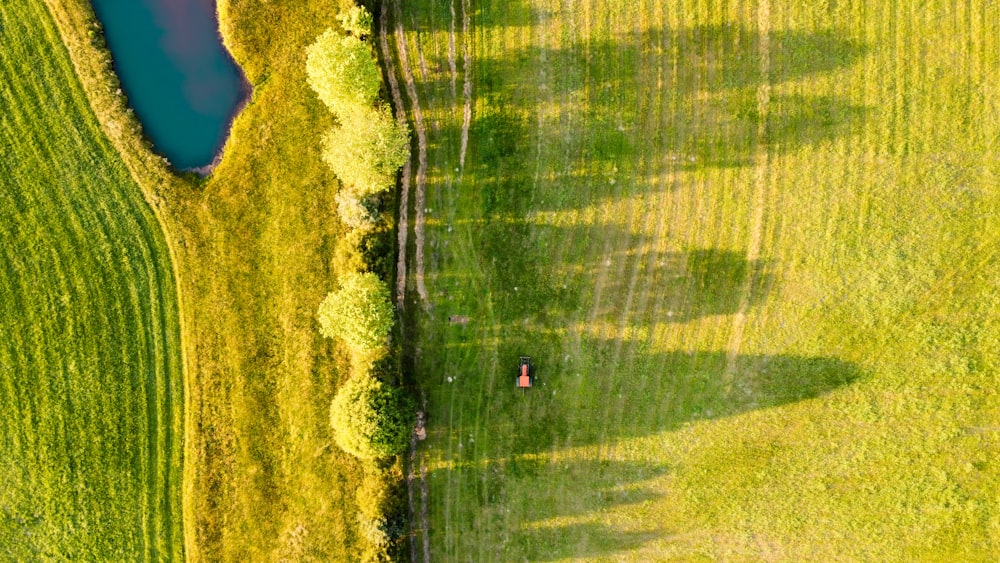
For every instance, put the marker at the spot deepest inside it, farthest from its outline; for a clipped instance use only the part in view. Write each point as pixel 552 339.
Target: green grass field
pixel 752 250
pixel 267 482
pixel 750 247
pixel 90 380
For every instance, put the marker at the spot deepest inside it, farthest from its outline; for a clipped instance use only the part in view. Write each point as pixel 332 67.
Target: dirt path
pixel 404 192
pixel 421 131
pixel 419 433
pixel 759 191
pixel 466 84
pixel 413 479
pixel 452 66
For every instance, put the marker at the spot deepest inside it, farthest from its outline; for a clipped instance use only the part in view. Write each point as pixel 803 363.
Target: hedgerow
pixel 372 418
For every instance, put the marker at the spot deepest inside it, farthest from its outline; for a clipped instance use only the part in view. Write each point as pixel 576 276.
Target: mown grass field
pixel 90 380
pixel 752 250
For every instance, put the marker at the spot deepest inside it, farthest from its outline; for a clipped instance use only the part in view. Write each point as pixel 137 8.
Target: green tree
pixel 342 72
pixel 356 21
pixel 370 420
pixel 356 212
pixel 360 313
pixel 367 149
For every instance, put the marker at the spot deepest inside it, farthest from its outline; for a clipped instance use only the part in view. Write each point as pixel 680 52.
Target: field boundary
pixel 421 131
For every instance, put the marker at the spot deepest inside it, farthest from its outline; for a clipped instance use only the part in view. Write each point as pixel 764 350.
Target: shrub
pixel 381 501
pixel 370 420
pixel 367 149
pixel 342 72
pixel 356 212
pixel 377 251
pixel 373 530
pixel 356 21
pixel 361 314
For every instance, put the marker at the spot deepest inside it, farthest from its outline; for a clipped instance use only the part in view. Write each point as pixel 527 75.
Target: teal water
pixel 180 80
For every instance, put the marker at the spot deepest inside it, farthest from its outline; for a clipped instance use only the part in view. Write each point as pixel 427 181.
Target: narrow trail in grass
pixel 403 229
pixel 466 84
pixel 759 191
pixel 421 131
pixel 452 66
pixel 417 472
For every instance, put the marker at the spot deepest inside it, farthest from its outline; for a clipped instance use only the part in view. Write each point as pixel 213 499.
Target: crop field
pixel 90 379
pixel 752 250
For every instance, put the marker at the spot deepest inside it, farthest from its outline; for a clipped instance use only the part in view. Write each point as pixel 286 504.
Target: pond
pixel 179 79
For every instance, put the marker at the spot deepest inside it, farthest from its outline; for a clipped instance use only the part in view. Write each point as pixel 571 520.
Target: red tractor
pixel 524 375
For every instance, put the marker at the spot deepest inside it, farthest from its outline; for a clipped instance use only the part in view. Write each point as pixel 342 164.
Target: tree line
pixel 371 416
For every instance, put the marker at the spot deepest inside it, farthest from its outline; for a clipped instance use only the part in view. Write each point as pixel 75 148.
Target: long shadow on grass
pixel 688 96
pixel 516 463
pixel 531 508
pixel 600 397
pixel 437 16
pixel 607 390
pixel 605 157
pixel 707 58
pixel 714 132
pixel 536 269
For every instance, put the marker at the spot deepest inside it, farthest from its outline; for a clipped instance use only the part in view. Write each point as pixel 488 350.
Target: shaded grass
pixel 90 380
pixel 604 223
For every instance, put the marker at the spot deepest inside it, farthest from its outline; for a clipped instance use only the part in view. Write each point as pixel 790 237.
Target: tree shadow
pixel 707 58
pixel 581 540
pixel 534 269
pixel 536 528
pixel 652 392
pixel 427 16
pixel 707 75
pixel 517 466
pixel 720 131
pixel 503 441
